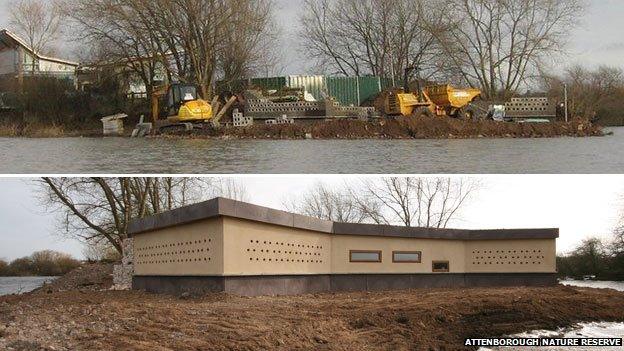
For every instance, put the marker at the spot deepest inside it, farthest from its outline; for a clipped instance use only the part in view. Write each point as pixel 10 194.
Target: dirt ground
pixel 94 277
pixel 429 319
pixel 403 128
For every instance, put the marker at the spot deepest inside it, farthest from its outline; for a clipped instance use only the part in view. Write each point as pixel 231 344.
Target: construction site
pixel 318 107
pixel 324 107
pixel 109 99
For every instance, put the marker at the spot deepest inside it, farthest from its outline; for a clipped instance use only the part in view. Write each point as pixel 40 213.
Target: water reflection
pixel 583 330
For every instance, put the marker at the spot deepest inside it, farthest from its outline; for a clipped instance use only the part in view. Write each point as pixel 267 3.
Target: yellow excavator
pixel 184 108
pixel 439 100
pixel 179 105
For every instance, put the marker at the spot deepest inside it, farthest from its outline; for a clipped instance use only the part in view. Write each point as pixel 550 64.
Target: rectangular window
pixel 440 266
pixel 406 256
pixel 364 256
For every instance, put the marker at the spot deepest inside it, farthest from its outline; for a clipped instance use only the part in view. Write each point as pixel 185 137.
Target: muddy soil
pixel 428 319
pixel 403 128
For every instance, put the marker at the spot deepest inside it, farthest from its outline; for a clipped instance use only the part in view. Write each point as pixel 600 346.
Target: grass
pixel 32 130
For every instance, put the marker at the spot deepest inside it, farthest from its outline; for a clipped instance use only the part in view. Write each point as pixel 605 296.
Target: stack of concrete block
pixel 281 120
pixel 122 273
pixel 241 121
pixel 334 109
pixel 258 106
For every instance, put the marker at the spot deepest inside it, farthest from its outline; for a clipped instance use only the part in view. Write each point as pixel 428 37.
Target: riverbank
pixel 428 319
pixel 96 276
pixel 42 130
pixel 400 128
pixel 20 285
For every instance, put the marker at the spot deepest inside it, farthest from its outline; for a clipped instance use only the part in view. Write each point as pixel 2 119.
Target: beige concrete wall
pixel 511 256
pixel 254 248
pixel 233 247
pixel 194 249
pixel 432 250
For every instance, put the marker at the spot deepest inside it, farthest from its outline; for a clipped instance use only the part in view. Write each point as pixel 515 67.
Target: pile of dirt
pixel 88 277
pixel 404 128
pixel 427 319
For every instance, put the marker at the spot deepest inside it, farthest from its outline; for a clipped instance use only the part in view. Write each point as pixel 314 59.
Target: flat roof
pixel 222 207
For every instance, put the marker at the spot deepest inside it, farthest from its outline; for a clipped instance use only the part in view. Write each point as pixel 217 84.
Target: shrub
pixel 41 263
pixel 21 267
pixel 4 268
pixel 52 263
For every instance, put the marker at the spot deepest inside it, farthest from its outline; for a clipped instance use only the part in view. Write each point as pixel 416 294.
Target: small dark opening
pixel 440 266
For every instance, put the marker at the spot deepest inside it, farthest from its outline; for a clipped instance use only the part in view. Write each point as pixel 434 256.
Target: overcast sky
pixel 598 41
pixel 581 206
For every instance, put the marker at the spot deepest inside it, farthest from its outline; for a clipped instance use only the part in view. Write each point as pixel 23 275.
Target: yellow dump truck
pixel 449 101
pixel 439 100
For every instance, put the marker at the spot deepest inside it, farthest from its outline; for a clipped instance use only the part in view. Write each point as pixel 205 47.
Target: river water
pixel 183 156
pixel 20 285
pixel 583 330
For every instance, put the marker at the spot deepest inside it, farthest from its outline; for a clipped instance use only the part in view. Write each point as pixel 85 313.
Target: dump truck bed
pixel 446 95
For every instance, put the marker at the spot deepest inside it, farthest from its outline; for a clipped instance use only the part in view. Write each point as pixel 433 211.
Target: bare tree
pixel 617 246
pixel 38 22
pixel 327 203
pixel 498 44
pixel 98 210
pixel 98 251
pixel 120 36
pixel 420 202
pixel 229 188
pixel 378 37
pixel 429 202
pixel 591 92
pixel 190 41
pixel 249 44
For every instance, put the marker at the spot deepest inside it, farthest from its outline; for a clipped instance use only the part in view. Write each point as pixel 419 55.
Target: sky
pixel 597 41
pixel 581 206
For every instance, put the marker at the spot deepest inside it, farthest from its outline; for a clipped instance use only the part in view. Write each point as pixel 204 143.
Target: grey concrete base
pixel 309 284
pixel 277 285
pixel 179 285
pixel 373 282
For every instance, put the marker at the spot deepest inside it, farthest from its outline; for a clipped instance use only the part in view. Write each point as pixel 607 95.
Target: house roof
pixel 6 34
pixel 219 207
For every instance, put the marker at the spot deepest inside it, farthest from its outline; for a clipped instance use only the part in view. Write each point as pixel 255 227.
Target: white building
pixel 18 60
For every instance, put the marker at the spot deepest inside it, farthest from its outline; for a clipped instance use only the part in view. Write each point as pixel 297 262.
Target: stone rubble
pixel 122 273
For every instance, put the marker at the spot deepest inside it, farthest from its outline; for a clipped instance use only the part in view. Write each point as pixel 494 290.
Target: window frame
pixel 448 265
pixel 419 253
pixel 351 252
